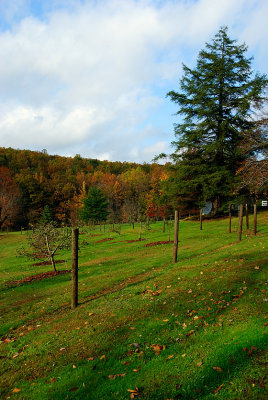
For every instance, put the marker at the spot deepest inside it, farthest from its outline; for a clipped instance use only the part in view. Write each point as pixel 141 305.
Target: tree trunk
pixel 140 230
pixel 246 212
pixel 51 255
pixel 240 222
pixel 176 236
pixel 75 234
pixel 255 219
pixel 201 220
pixel 164 224
pixel 230 218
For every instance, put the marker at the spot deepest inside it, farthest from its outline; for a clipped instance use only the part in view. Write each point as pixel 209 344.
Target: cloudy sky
pixel 90 77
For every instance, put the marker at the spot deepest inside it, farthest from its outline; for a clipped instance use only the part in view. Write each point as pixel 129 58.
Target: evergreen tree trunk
pixel 201 220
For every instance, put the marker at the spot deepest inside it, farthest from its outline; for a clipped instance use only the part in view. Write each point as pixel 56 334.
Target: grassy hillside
pixel 145 328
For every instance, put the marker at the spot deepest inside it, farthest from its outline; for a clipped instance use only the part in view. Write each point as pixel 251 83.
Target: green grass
pixel 201 335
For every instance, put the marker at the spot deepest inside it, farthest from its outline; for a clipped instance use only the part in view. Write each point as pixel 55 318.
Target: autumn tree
pixel 10 197
pixel 215 101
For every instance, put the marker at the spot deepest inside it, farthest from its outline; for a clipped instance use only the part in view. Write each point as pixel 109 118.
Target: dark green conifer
pixel 94 206
pixel 216 101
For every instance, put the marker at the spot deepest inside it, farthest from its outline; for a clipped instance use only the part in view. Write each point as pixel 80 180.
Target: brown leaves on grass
pixel 250 351
pixel 219 369
pixel 151 292
pixel 134 393
pixel 218 389
pixel 157 348
pixel 16 390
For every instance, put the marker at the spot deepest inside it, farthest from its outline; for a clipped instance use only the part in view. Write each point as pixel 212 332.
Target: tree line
pixel 33 183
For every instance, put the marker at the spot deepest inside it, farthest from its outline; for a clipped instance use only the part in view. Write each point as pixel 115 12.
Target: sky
pixel 90 77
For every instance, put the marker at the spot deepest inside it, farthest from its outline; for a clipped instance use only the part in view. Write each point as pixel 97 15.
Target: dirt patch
pixel 47 263
pixel 132 241
pixel 38 277
pixel 104 240
pixel 158 243
pixel 97 234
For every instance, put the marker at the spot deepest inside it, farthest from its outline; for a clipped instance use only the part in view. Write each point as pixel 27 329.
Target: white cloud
pixel 85 76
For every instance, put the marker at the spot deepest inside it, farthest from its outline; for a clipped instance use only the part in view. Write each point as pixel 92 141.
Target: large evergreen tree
pixel 216 101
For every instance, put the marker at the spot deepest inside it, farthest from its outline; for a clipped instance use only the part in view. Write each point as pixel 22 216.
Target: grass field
pixel 145 328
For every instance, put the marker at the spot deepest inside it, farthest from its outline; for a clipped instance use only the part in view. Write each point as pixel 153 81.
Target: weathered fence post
pixel 230 218
pixel 176 236
pixel 201 220
pixel 246 213
pixel 140 230
pixel 75 233
pixel 255 219
pixel 240 222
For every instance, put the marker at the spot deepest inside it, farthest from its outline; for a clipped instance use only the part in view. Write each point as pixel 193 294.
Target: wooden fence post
pixel 255 219
pixel 201 220
pixel 230 218
pixel 140 230
pixel 176 236
pixel 246 213
pixel 75 233
pixel 240 222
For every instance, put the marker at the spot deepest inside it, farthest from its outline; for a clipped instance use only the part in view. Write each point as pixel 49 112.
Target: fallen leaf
pixel 74 366
pixel 103 357
pixel 218 369
pixel 137 370
pixel 16 390
pixel 132 328
pixel 91 313
pixel 169 357
pixel 158 348
pixel 62 348
pixel 183 355
pixel 90 358
pixel 165 320
pixel 218 389
pixel 192 332
pixel 199 364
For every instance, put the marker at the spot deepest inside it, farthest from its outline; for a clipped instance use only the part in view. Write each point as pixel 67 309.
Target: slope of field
pixel 145 328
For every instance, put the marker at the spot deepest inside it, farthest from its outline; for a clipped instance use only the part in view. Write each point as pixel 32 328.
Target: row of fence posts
pixel 75 234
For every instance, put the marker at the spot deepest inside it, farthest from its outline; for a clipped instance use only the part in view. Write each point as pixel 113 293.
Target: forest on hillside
pixel 31 181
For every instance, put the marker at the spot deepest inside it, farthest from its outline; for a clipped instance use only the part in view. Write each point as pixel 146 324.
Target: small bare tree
pixel 45 241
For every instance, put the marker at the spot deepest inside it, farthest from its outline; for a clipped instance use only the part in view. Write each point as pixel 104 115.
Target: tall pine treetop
pixel 216 103
pixel 216 99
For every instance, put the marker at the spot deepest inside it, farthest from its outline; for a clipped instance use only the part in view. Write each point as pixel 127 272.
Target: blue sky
pixel 90 77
